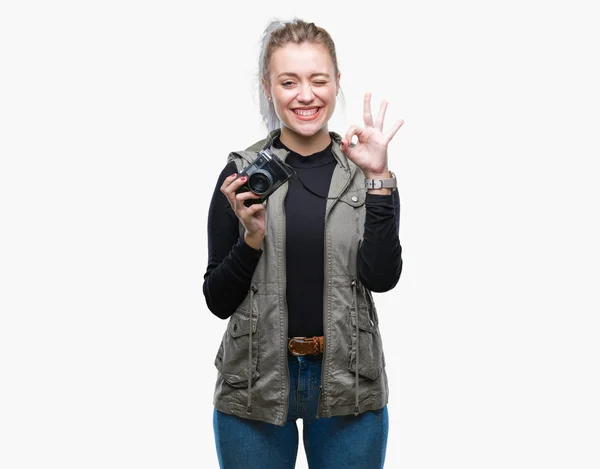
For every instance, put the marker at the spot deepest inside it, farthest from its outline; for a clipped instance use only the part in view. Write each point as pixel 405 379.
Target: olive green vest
pixel 253 379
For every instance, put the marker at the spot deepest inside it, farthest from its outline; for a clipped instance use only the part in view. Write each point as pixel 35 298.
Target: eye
pixel 320 82
pixel 287 83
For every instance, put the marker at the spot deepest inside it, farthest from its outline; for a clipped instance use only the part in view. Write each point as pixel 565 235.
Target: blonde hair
pixel 278 34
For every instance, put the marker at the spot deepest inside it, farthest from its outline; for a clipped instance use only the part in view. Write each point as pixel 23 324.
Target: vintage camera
pixel 265 175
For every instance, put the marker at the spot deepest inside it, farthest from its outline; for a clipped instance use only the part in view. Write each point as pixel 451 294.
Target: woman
pixel 294 275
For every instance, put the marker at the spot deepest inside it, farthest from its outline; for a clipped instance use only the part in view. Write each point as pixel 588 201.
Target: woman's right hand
pixel 253 217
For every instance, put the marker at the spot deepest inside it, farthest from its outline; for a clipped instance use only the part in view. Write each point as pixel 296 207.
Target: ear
pixel 265 86
pixel 337 80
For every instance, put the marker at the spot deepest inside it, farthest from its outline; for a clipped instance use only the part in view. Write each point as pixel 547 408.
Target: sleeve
pixel 231 262
pixel 380 252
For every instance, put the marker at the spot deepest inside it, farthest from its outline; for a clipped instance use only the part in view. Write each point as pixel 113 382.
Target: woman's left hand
pixel 370 153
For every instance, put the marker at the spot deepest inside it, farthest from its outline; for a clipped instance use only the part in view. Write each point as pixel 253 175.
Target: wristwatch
pixel 388 183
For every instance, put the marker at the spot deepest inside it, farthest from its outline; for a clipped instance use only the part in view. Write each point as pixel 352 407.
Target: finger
pixel 239 203
pixel 230 189
pixel 246 195
pixel 235 185
pixel 255 208
pixel 228 180
pixel 367 116
pixel 395 129
pixel 353 130
pixel 381 116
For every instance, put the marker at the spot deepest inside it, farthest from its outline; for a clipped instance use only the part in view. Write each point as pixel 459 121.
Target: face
pixel 303 87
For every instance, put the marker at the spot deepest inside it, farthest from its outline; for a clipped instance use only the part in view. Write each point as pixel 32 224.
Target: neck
pixel 304 145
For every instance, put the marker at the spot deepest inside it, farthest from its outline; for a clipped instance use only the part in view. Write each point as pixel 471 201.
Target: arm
pixel 231 261
pixel 380 253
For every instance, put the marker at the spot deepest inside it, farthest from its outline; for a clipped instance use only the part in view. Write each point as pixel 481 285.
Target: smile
pixel 307 114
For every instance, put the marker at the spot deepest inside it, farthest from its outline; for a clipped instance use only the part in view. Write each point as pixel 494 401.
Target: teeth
pixel 306 112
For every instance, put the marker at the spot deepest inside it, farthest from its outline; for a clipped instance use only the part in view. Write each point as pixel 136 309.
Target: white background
pixel 116 118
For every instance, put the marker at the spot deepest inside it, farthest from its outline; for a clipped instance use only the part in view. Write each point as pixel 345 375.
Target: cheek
pixel 283 100
pixel 327 95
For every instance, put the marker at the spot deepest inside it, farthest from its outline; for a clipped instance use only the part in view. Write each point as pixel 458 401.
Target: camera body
pixel 265 175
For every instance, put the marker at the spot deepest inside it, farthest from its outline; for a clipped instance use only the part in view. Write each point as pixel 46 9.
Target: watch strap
pixel 387 183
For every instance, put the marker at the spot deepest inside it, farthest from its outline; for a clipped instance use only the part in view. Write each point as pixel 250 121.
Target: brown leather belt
pixel 306 345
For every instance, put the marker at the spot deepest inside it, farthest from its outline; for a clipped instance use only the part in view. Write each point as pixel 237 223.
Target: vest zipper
pixel 285 309
pixel 326 293
pixel 325 338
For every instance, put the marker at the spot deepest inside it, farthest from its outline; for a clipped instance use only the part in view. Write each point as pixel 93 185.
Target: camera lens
pixel 259 183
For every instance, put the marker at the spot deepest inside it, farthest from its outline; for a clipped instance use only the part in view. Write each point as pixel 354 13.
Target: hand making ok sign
pixel 370 153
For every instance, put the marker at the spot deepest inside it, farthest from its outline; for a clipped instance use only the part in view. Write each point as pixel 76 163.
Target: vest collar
pixel 282 153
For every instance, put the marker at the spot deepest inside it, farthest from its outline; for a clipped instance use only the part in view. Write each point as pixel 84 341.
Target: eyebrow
pixel 326 75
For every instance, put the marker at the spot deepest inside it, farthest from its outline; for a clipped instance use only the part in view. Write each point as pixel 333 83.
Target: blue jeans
pixel 344 442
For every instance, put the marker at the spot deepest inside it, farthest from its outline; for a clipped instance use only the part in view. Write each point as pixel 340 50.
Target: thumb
pixel 343 146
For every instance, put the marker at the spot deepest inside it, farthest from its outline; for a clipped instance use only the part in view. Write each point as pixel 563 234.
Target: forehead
pixel 301 59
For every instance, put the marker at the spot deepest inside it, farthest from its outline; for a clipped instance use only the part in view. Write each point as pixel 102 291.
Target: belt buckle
pixel 299 340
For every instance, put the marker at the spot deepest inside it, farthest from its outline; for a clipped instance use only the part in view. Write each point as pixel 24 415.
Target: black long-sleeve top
pixel 231 262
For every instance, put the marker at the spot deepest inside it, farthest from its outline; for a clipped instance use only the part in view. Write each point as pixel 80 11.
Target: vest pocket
pixel 370 350
pixel 233 355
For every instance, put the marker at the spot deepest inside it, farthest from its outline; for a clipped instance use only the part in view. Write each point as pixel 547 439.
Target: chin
pixel 305 131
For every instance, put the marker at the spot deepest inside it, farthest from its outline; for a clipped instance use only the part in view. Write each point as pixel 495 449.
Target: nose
pixel 305 94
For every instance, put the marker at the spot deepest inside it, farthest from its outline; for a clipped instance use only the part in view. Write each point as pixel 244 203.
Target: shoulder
pixel 257 146
pixel 242 158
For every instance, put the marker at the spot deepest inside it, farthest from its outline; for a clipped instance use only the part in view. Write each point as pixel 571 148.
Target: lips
pixel 307 114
